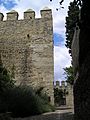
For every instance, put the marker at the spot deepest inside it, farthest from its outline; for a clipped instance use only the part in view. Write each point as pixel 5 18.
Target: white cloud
pixel 61 60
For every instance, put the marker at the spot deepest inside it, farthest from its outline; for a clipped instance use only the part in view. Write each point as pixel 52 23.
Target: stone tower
pixel 68 90
pixel 26 48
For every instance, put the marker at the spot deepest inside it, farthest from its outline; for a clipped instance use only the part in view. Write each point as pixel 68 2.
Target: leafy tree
pixel 58 95
pixel 71 19
pixel 69 74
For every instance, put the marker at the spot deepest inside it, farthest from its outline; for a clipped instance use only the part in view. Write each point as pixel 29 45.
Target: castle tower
pixel 12 15
pixel 1 16
pixel 29 14
pixel 27 45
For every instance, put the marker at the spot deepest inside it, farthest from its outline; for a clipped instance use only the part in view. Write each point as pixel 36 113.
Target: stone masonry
pixel 26 48
pixel 68 89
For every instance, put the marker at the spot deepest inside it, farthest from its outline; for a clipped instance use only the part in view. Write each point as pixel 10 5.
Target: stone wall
pixel 26 48
pixel 69 92
pixel 75 50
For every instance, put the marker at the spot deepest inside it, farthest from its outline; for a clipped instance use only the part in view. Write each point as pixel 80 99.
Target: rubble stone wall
pixel 26 48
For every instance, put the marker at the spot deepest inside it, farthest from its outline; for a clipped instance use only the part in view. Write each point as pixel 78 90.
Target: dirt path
pixel 59 114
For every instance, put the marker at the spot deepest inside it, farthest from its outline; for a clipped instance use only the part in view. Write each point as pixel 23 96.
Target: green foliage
pixel 69 74
pixel 22 101
pixel 5 78
pixel 39 91
pixel 44 96
pixel 58 95
pixel 71 20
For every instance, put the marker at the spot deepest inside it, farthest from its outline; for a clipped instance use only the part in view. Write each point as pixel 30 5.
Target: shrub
pixel 5 79
pixel 22 101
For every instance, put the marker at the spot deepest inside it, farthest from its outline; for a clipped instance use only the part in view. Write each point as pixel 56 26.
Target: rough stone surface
pixel 75 50
pixel 68 98
pixel 26 48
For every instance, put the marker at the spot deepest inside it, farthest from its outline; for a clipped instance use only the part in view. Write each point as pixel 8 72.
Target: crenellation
pixel 12 15
pixel 46 13
pixel 29 14
pixel 63 84
pixel 57 83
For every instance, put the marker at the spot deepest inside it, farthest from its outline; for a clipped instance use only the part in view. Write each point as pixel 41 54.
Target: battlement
pixel 29 14
pixel 63 84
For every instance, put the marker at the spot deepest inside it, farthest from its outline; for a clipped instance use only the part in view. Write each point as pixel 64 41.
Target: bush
pixel 22 101
pixel 5 79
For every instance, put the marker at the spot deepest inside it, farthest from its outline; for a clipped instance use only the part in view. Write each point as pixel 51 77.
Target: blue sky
pixel 61 57
pixel 8 4
pixel 58 39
